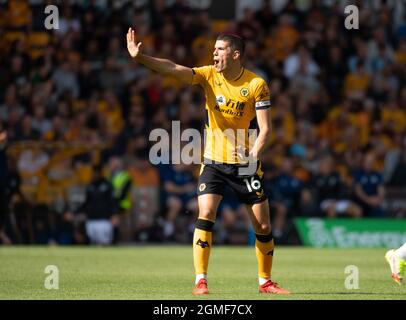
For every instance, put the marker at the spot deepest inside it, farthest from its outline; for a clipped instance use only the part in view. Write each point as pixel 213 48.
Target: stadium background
pixel 72 98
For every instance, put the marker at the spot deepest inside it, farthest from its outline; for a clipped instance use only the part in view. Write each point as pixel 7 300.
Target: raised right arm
pixel 159 65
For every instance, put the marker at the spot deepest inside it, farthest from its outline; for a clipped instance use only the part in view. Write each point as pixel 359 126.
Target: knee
pixel 207 214
pixel 263 228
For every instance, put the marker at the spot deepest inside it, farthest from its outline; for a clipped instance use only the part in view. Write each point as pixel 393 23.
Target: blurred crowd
pixel 76 113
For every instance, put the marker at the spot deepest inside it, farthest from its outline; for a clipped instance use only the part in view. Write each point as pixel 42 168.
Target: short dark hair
pixel 236 42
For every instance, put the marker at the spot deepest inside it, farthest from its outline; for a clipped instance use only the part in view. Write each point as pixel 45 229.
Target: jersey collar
pixel 238 77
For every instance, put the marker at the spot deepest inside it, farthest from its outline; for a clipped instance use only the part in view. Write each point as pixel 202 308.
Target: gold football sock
pixel 264 246
pixel 202 240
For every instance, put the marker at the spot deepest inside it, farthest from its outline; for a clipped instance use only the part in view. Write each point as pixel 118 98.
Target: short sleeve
pixel 201 74
pixel 262 95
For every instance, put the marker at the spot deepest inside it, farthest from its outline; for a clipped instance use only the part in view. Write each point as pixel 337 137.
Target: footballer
pixel 236 99
pixel 397 262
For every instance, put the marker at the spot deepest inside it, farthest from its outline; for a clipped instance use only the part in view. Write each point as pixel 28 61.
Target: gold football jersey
pixel 231 110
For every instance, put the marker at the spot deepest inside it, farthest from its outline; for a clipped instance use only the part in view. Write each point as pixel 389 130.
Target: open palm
pixel 132 46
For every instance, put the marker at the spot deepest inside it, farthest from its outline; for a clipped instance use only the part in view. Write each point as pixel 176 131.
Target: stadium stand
pixel 72 98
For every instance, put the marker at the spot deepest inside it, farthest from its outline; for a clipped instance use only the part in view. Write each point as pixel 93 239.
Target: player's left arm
pixel 264 126
pixel 263 112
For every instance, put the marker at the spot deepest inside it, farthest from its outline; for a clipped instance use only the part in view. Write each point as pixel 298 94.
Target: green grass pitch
pixel 166 272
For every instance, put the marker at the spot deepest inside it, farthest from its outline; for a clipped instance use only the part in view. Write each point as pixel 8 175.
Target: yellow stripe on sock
pixel 264 253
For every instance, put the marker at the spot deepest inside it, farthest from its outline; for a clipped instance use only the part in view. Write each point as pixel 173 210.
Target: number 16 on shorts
pixel 253 184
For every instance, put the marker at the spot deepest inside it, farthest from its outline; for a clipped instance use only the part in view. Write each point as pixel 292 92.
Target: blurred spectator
pixel 4 201
pixel 15 201
pixel 65 229
pixel 67 21
pixel 111 77
pixel 265 16
pixel 335 72
pixel 39 122
pixel 369 188
pixel 232 218
pixel 282 40
pixel 146 197
pixel 110 110
pixel 100 208
pixel 25 130
pixel 75 91
pixel 18 14
pixel 300 62
pixel 248 27
pixel 398 177
pixel 285 191
pixel 31 165
pixel 180 189
pixel 331 192
pixel 66 80
pixel 121 182
pixel 357 82
pixel 11 104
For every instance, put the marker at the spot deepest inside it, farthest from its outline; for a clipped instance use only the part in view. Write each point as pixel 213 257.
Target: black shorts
pixel 247 184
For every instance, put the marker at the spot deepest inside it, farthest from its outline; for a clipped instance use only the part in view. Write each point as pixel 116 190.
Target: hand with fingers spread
pixel 162 66
pixel 132 47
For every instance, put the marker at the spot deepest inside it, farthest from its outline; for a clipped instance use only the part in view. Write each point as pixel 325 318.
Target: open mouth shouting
pixel 217 64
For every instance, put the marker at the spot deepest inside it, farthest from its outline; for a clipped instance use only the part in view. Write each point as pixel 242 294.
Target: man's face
pixel 222 55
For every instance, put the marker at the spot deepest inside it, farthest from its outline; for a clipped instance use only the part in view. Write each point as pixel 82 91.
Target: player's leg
pixel 202 239
pixel 401 252
pixel 250 191
pixel 397 262
pixel 210 192
pixel 264 246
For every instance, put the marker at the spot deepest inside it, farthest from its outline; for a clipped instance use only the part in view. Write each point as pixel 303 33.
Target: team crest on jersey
pixel 244 92
pixel 221 100
pixel 202 187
